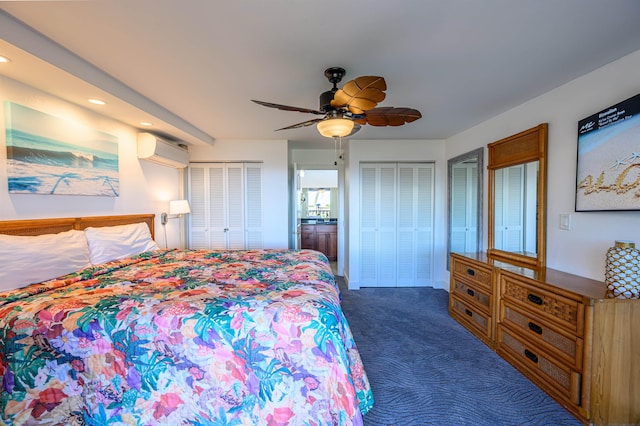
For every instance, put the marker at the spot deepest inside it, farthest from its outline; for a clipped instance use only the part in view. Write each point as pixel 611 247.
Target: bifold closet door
pixel 253 205
pixel 415 225
pixel 464 235
pixel 509 208
pixel 378 225
pixel 396 224
pixel 226 206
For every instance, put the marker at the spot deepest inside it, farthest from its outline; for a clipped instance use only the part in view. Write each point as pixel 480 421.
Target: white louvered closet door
pixel 464 234
pixel 216 207
pixel 235 208
pixel 508 210
pixel 396 224
pixel 369 202
pixel 199 201
pixel 253 191
pixel 226 206
pixel 415 225
pixel 387 224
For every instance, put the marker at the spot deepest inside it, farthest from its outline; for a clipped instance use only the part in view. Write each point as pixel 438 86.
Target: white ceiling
pixel 459 62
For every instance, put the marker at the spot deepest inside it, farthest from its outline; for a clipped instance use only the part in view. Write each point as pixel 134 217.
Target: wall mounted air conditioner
pixel 152 148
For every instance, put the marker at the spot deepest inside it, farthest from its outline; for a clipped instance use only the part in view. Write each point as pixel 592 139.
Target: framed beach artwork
pixel 608 169
pixel 49 155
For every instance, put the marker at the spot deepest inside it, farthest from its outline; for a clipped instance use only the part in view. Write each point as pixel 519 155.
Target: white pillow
pixel 33 259
pixel 117 242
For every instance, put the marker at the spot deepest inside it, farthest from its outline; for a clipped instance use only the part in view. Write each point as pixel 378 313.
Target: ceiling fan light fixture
pixel 335 127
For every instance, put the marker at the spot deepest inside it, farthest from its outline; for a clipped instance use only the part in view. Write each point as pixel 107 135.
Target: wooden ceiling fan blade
pixel 389 116
pixel 360 94
pixel 303 124
pixel 288 108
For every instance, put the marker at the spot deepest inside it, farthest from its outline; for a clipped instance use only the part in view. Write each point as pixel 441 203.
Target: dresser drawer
pixel 471 317
pixel 566 346
pixel 472 294
pixel 477 273
pixel 548 372
pixel 565 312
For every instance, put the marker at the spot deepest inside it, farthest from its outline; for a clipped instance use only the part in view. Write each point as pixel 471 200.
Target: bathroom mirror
pixel 464 222
pixel 517 198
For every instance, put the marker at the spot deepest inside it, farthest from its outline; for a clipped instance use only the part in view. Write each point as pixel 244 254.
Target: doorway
pixel 318 205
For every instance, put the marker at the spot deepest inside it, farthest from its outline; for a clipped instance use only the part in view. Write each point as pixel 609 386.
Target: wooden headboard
pixel 53 226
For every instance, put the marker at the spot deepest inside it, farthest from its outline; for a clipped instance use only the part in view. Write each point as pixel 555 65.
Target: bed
pixel 179 337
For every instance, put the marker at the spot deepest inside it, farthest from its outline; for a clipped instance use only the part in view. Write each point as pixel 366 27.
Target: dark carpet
pixel 426 369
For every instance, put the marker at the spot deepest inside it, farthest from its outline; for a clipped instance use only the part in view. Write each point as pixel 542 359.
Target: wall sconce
pixel 177 208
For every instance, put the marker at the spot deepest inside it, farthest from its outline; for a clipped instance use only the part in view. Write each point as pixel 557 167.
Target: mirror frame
pixel 478 155
pixel 529 145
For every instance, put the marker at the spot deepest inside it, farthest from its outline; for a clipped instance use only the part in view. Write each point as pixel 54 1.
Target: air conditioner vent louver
pixel 154 149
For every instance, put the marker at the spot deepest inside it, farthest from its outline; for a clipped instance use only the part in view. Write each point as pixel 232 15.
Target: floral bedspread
pixel 183 337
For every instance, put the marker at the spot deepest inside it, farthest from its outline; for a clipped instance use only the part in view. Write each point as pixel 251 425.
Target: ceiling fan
pixel 344 110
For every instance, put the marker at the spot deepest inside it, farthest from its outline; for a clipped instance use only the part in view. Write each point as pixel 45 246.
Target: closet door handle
pixel 471 272
pixel 535 328
pixel 533 357
pixel 534 299
pixel 471 292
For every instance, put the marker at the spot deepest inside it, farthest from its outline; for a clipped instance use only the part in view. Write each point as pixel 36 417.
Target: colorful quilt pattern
pixel 183 337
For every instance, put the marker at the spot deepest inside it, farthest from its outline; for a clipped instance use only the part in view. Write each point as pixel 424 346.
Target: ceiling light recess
pixel 335 127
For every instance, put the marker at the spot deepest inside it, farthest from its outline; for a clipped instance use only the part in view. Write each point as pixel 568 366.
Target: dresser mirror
pixel 465 184
pixel 517 198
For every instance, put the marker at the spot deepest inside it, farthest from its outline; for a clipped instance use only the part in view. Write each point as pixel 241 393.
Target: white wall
pixel 275 185
pixel 319 179
pixel 582 249
pixel 398 151
pixel 144 188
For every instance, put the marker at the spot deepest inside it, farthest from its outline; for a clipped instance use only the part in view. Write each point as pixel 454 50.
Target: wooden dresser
pixel 472 296
pixel 560 330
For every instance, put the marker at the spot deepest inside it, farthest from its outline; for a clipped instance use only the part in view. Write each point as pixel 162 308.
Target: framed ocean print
pixel 49 155
pixel 608 169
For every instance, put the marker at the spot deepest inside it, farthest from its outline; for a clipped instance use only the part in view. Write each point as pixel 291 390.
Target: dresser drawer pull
pixel 468 312
pixel 534 299
pixel 471 292
pixel 533 357
pixel 535 328
pixel 471 272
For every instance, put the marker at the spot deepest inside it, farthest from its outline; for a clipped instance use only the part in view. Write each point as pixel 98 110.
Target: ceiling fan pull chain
pixel 335 149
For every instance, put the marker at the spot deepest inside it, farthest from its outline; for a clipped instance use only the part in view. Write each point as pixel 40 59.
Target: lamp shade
pixel 179 207
pixel 335 127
